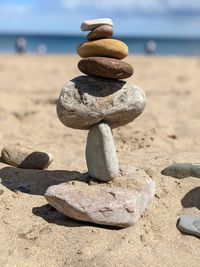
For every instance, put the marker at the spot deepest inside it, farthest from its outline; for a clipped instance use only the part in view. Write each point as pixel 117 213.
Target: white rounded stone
pixel 89 25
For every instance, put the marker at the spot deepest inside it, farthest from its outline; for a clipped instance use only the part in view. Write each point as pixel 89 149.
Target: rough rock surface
pixel 103 48
pixel 118 203
pixel 87 100
pixel 25 157
pixel 89 25
pixel 101 155
pixel 101 32
pixel 105 67
pixel 189 224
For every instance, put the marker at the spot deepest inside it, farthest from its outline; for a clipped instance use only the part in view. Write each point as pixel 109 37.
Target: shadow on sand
pixel 51 215
pixel 37 181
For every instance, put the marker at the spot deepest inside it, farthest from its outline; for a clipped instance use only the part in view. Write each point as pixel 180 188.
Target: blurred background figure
pixel 21 45
pixel 150 48
pixel 42 49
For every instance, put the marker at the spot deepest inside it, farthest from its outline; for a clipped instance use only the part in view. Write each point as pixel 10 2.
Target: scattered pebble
pixel 25 157
pixel 182 170
pixel 189 224
pixel 22 189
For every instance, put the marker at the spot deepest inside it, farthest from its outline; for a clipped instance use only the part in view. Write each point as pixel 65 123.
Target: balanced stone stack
pixel 100 102
pixel 102 55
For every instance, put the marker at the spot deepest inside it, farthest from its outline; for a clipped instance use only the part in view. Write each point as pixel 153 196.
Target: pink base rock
pixel 118 203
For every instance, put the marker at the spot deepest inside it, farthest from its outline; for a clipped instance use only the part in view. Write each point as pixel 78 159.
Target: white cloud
pixel 113 4
pixel 14 9
pixel 184 4
pixel 140 6
pixel 73 4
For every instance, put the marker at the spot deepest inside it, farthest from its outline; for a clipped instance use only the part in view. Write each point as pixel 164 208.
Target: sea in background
pixel 55 44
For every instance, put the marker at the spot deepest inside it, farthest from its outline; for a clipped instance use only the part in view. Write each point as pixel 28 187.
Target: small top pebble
pixel 89 25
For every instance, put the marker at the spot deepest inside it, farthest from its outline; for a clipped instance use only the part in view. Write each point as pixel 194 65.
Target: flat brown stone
pixel 103 48
pixel 105 67
pixel 104 31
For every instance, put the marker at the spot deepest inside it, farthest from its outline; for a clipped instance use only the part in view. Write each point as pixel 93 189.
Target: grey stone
pixel 189 224
pixel 89 25
pixel 25 157
pixel 182 170
pixel 101 156
pixel 119 202
pixel 87 100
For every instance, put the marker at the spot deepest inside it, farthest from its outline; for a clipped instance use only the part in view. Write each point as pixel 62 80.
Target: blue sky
pixel 131 17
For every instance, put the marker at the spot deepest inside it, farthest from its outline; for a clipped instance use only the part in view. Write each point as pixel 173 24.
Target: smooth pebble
pixel 91 24
pixel 105 67
pixel 103 48
pixel 101 155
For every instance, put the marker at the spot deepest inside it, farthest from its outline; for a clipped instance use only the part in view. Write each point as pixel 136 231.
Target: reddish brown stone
pixel 105 31
pixel 105 67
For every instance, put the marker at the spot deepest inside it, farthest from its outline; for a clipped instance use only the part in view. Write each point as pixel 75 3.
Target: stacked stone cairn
pixel 107 194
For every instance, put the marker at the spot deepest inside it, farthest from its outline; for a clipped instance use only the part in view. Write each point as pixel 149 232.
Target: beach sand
pixel 32 233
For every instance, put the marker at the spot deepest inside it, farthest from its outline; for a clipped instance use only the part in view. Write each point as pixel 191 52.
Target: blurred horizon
pixel 170 27
pixel 152 18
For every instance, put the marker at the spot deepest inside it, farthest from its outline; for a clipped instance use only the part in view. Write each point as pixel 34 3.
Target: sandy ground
pixel 33 234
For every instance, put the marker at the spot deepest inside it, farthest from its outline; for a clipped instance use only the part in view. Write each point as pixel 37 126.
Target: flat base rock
pixel 25 157
pixel 118 203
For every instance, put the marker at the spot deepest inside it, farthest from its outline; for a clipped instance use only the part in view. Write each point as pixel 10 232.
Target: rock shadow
pixel 182 170
pixel 96 86
pixel 51 215
pixel 192 199
pixel 37 181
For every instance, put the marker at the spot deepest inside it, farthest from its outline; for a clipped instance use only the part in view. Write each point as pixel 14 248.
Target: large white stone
pixel 88 100
pixel 101 155
pixel 89 25
pixel 118 203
